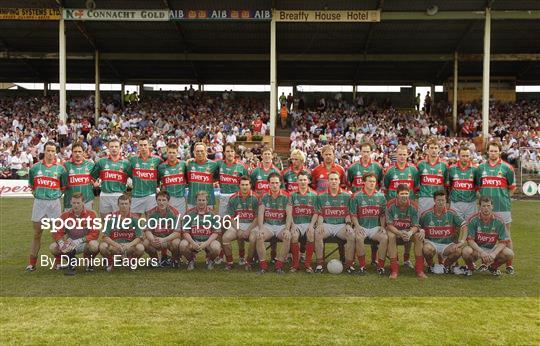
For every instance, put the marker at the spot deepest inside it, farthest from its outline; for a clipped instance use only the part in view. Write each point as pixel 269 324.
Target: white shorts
pixel 370 232
pixel 179 203
pixel 143 204
pixel 274 229
pixel 464 209
pixel 506 216
pixel 108 202
pixel 80 248
pixel 333 230
pixel 302 228
pixel 46 208
pixel 223 203
pixel 438 247
pixel 425 203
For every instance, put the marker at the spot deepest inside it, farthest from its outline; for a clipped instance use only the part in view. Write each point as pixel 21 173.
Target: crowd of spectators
pixel 28 122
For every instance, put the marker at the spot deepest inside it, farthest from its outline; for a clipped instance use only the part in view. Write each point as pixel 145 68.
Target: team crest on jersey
pixel 500 174
pixel 166 171
pixel 71 171
pixel 107 166
pixel 424 171
pixel 457 176
pixel 395 176
pixel 121 169
pixel 471 176
pixel 39 173
pixel 137 165
pixel 439 171
pixel 479 229
pixel 259 177
pixel 484 173
pixel 363 202
pixel 327 203
pixel 409 176
pixel 431 223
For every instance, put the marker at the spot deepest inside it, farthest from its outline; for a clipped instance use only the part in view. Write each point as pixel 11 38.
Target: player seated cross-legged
pixel 402 223
pixel 121 238
pixel 163 231
pixel 334 221
pixel 445 233
pixel 487 240
pixel 273 222
pixel 82 238
pixel 304 221
pixel 200 232
pixel 243 206
pixel 368 208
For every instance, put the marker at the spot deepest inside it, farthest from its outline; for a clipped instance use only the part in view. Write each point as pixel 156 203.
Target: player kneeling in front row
pixel 274 221
pixel 402 223
pixel 368 213
pixel 201 231
pixel 334 221
pixel 487 240
pixel 304 220
pixel 78 235
pixel 122 237
pixel 163 231
pixel 445 233
pixel 242 206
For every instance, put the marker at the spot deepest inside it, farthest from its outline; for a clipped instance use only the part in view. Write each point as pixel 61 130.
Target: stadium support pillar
pixel 273 78
pixel 454 97
pixel 122 94
pixel 354 89
pixel 62 77
pixel 97 98
pixel 45 89
pixel 486 76
pixel 432 92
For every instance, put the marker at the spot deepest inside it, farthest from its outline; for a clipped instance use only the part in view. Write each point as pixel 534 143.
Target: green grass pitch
pixel 169 306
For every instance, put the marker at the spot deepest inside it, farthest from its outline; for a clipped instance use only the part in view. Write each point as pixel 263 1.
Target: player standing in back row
pixel 45 180
pixel 433 175
pixel 460 183
pixel 496 179
pixel 144 173
pixel 201 175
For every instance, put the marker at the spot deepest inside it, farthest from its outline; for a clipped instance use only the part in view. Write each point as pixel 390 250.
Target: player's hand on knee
pixel 421 235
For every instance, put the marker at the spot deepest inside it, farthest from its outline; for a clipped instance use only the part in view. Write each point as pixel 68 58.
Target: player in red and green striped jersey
pixel 274 221
pixel 144 174
pixel 201 230
pixel 402 173
pixel 172 178
pixel 356 171
pixel 368 208
pixel 445 233
pixel 81 238
pixel 230 171
pixel 163 231
pixel 460 183
pixel 259 175
pixel 433 174
pixel 290 175
pixel 402 223
pixel 487 239
pixel 355 175
pixel 45 180
pixel 243 205
pixel 304 221
pixel 496 179
pixel 201 175
pixel 320 174
pixel 334 220
pixel 112 172
pixel 121 238
pixel 78 177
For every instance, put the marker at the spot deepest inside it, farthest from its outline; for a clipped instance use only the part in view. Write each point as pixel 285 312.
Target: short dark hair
pixel 402 187
pixel 439 193
pixel 125 197
pixel 369 174
pixel 485 199
pixel 163 193
pixel 50 143
pixel 274 175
